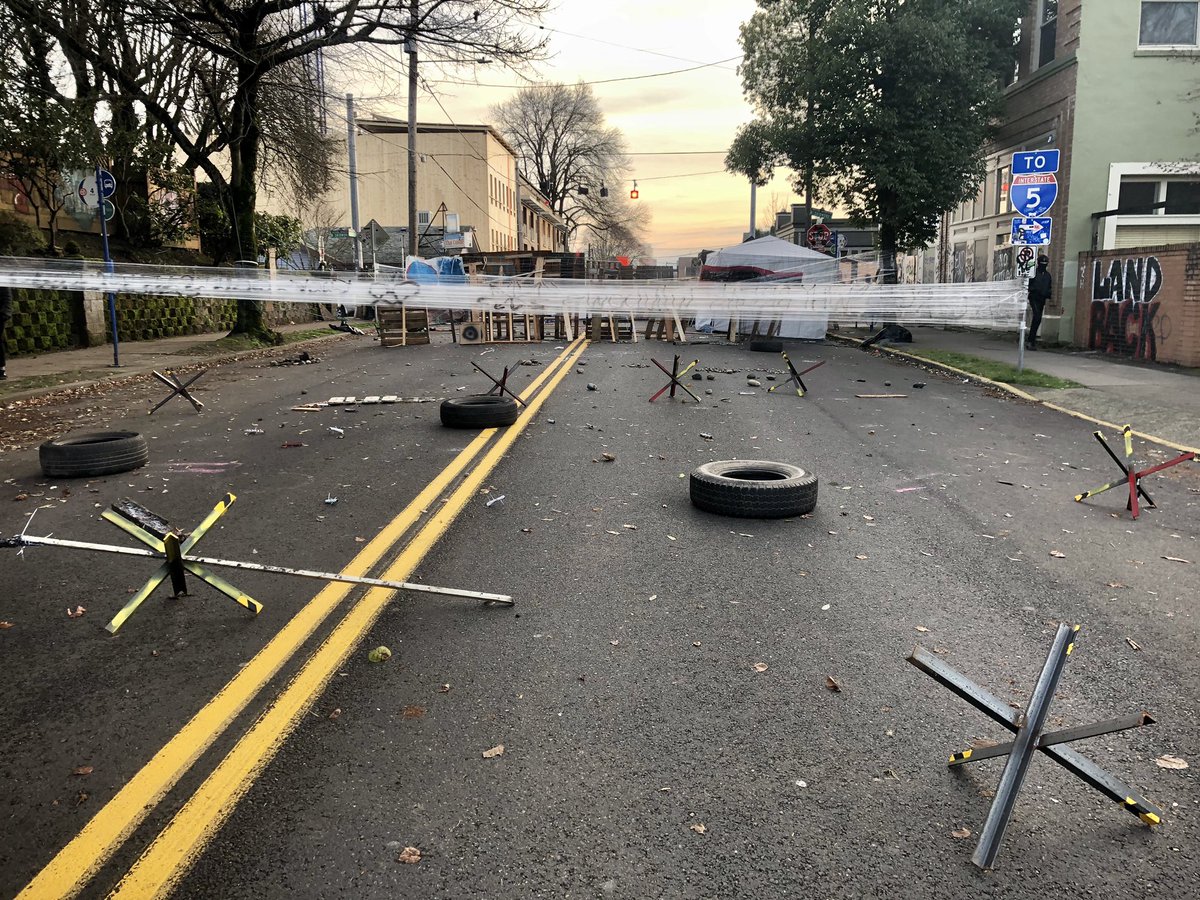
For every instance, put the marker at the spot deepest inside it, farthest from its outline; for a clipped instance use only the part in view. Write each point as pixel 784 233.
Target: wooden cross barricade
pixel 1130 476
pixel 1031 739
pixel 675 374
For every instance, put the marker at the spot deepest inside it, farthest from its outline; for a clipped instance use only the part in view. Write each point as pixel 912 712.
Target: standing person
pixel 1040 286
pixel 6 301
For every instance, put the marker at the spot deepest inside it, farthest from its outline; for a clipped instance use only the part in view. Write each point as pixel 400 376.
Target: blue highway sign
pixel 1033 195
pixel 1031 231
pixel 1035 161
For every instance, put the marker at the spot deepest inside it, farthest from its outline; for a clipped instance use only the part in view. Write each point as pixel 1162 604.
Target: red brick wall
pixel 1141 303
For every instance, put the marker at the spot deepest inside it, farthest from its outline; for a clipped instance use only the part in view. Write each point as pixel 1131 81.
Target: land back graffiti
pixel 1124 306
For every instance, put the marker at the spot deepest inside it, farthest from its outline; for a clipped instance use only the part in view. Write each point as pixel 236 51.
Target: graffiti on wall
pixel 1124 308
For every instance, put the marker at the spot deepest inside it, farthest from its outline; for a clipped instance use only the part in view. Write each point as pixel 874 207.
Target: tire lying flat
pixel 478 411
pixel 97 453
pixel 753 489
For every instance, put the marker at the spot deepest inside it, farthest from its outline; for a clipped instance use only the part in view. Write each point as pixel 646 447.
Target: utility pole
pixel 410 47
pixel 351 128
pixel 753 202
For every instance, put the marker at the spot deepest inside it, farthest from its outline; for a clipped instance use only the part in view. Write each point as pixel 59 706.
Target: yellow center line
pixel 171 854
pixel 73 866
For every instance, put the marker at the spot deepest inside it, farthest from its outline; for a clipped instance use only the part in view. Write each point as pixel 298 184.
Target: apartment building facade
pixel 1112 85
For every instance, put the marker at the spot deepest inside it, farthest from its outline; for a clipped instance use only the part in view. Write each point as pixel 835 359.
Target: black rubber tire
pixel 470 333
pixel 753 489
pixel 479 411
pixel 766 346
pixel 97 453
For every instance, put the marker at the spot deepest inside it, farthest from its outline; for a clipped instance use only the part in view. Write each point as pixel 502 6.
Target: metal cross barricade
pixel 178 389
pixel 499 385
pixel 172 546
pixel 675 374
pixel 1130 476
pixel 1030 739
pixel 794 376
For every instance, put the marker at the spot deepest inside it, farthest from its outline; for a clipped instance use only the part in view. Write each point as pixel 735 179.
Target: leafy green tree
pixel 886 104
pixel 218 237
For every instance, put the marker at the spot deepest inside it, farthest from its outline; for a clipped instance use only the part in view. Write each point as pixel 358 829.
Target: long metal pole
pixel 27 540
pixel 101 200
pixel 753 209
pixel 351 152
pixel 1023 749
pixel 410 47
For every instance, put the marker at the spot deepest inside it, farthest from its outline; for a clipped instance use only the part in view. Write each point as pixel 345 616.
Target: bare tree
pixel 565 149
pixel 245 50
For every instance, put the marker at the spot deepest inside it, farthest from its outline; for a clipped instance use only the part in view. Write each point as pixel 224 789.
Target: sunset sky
pixel 700 110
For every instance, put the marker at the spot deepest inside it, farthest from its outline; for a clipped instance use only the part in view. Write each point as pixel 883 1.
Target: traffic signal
pixel 633 195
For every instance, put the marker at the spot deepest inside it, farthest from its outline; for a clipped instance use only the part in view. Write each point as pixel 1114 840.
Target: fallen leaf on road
pixel 1058 554
pixel 1132 643
pixel 760 667
pixel 698 828
pixel 336 714
pixel 860 556
pixel 498 750
pixel 20 497
pixel 4 625
pixel 414 712
pixel 75 613
pixel 1177 559
pixel 444 689
pixel 409 855
pixel 921 628
pixel 1170 762
pixel 831 684
pixel 961 833
pixel 88 770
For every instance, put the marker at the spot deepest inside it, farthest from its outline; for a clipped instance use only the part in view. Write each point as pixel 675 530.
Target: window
pixel 1183 198
pixel 1047 25
pixel 1003 180
pixel 1171 24
pixel 1137 197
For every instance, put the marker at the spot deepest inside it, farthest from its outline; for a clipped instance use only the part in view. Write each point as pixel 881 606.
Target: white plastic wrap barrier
pixel 996 304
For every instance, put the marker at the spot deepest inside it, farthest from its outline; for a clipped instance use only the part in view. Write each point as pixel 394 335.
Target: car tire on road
pixel 766 346
pixel 97 453
pixel 479 411
pixel 753 489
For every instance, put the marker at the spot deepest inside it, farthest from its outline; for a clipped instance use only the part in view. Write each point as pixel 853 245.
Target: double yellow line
pixel 171 854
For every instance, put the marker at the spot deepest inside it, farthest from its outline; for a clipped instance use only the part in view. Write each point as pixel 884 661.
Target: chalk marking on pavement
pixel 172 853
pixel 78 862
pixel 1017 392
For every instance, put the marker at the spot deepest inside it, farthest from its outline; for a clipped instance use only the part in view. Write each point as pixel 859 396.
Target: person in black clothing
pixel 1039 292
pixel 6 300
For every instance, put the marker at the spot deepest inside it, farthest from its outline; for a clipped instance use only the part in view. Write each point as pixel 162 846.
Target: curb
pixel 1017 392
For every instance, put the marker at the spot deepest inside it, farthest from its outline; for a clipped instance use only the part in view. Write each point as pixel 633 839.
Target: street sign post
pixel 1031 231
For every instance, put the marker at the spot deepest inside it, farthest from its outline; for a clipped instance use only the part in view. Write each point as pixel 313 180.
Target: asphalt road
pixel 645 754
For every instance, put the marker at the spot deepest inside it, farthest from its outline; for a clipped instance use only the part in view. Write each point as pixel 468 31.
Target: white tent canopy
pixel 766 256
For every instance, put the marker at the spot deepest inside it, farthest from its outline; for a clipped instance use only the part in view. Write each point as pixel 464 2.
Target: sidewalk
pixel 31 376
pixel 1156 400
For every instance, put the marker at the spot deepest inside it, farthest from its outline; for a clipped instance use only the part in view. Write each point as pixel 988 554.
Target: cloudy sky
pixel 694 204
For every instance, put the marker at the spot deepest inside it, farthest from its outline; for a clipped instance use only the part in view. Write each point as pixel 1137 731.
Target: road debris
pixel 1177 559
pixel 1132 643
pixel 4 626
pixel 379 654
pixel 832 684
pixel 253 429
pixel 1166 761
pixel 443 689
pixel 76 612
pixel 921 628
pixel 409 855
pixel 760 667
pixel 336 714
pixel 498 750
pixel 608 457
pixel 881 396
pixel 961 833
pixel 753 382
pixel 340 432
pixel 413 712
pixel 88 770
pixel 699 828
pixel 495 500
pixel 331 500
pixel 592 387
pixel 1058 554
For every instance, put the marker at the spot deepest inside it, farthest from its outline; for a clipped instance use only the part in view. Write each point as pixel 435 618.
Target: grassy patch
pixel 14 384
pixel 996 371
pixel 241 342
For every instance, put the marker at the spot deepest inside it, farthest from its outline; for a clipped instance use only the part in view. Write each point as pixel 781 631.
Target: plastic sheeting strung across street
pixel 997 304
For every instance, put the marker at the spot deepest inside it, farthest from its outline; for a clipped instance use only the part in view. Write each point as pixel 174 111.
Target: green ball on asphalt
pixel 379 654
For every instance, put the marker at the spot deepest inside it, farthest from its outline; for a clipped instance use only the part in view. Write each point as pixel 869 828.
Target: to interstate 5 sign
pixel 1033 195
pixel 1034 162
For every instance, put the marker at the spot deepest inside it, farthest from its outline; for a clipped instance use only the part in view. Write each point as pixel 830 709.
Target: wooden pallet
pixel 401 326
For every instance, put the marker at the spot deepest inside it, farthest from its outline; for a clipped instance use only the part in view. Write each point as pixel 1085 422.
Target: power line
pixel 542 84
pixel 685 175
pixel 680 153
pixel 584 37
